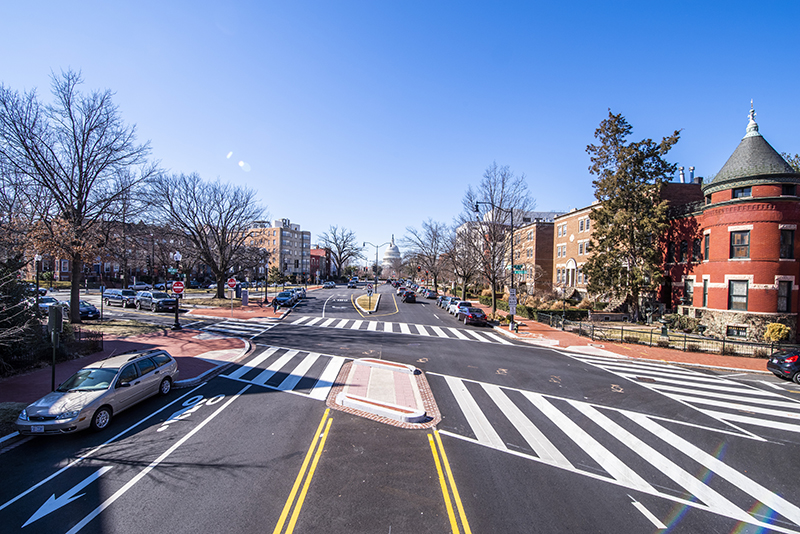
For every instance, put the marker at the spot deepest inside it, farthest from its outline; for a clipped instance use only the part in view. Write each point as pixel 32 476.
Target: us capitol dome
pixel 391 256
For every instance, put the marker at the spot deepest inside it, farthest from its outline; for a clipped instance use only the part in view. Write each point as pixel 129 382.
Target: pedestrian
pixel 275 305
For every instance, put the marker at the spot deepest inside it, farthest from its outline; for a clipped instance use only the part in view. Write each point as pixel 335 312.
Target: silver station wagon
pixel 93 395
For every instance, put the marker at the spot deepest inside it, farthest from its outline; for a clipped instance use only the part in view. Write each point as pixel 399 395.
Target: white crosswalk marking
pixel 297 365
pixel 613 435
pixel 239 328
pixel 444 332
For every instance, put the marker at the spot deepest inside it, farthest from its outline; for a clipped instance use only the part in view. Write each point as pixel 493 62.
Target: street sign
pixel 512 291
pixel 172 270
pixel 518 266
pixel 231 283
pixel 512 300
pixel 519 272
pixel 177 287
pixel 512 309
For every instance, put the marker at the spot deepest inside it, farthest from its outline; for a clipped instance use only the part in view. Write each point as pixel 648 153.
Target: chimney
pixel 683 177
pixel 691 174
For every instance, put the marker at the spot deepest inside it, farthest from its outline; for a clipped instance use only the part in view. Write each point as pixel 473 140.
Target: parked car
pixel 409 296
pixel 785 364
pixel 452 309
pixel 471 315
pixel 352 284
pixel 164 286
pixel 98 392
pixel 329 285
pixel 140 286
pixel 401 290
pixel 87 309
pixel 44 304
pixel 119 297
pixel 285 298
pixel 194 284
pixel 155 301
pixel 32 290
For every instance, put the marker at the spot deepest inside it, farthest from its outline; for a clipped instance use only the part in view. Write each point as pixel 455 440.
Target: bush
pixel 631 339
pixel 777 332
pixel 693 347
pixel 727 350
pixel 683 323
pixel 663 343
pixel 760 353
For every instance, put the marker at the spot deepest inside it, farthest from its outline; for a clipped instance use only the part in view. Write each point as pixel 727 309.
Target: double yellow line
pixel 438 449
pixel 288 506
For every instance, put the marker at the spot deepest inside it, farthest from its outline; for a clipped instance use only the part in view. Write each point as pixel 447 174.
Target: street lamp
pixel 177 257
pixel 376 262
pixel 38 264
pixel 512 292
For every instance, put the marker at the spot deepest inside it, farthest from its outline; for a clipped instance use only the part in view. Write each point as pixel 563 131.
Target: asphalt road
pixel 536 440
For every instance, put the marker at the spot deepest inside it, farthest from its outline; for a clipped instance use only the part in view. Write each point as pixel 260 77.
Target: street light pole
pixel 177 257
pixel 37 260
pixel 376 259
pixel 510 212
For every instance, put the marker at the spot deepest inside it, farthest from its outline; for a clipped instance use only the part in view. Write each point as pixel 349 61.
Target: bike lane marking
pixel 120 492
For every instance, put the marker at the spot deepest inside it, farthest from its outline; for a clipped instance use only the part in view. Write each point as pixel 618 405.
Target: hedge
pixel 532 313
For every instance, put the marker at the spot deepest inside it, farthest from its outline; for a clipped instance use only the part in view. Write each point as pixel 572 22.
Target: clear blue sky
pixel 376 115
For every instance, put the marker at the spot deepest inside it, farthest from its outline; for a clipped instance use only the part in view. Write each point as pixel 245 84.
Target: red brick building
pixel 731 260
pixel 320 264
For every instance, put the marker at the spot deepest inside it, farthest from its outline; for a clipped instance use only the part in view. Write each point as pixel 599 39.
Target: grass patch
pixel 8 414
pixel 364 302
pixel 123 328
pixel 217 303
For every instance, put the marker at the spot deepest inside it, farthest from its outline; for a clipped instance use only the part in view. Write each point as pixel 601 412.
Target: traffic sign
pixel 172 270
pixel 512 309
pixel 231 283
pixel 519 272
pixel 177 287
pixel 512 300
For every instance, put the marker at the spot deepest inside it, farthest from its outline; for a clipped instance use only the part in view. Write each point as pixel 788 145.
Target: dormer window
pixel 789 190
pixel 741 192
pixel 708 200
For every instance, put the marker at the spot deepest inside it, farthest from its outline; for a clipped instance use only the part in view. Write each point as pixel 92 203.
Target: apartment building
pixel 571 236
pixel 288 245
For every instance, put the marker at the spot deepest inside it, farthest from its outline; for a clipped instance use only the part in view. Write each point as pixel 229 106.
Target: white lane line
pixel 770 384
pixel 612 465
pixel 498 338
pixel 776 502
pixel 298 372
pixel 120 492
pixel 387 327
pixel 325 382
pixel 252 364
pixel 356 324
pixel 680 476
pixel 342 323
pixel 421 330
pixel 12 435
pixel 404 328
pixel 439 332
pixel 372 326
pixel 327 322
pixel 458 333
pixel 543 448
pixel 480 425
pixel 737 406
pixel 276 366
pixel 648 514
pixel 757 421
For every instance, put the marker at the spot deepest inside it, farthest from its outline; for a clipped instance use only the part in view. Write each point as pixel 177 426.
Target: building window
pixel 787 244
pixel 740 244
pixel 688 293
pixel 705 293
pixel 580 225
pixel 736 331
pixel 708 200
pixel 789 190
pixel 684 251
pixel 580 249
pixel 696 250
pixel 784 296
pixel 670 252
pixel 587 225
pixel 706 239
pixel 64 266
pixel 741 192
pixel 737 295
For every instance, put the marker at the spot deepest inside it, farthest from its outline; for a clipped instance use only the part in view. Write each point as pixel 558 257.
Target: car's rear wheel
pixel 108 303
pixel 101 418
pixel 165 387
pixel 465 319
pixel 138 305
pixel 796 377
pixel 153 307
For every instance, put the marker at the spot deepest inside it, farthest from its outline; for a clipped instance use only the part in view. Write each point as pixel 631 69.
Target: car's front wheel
pixel 153 307
pixel 101 418
pixel 138 305
pixel 796 377
pixel 108 303
pixel 165 387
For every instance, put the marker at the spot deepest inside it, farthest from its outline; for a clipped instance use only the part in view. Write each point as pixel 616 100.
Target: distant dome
pixel 391 255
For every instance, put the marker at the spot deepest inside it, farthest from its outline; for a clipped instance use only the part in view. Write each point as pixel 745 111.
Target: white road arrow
pixel 52 504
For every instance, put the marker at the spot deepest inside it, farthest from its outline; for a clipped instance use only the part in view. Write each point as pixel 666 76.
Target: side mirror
pixel 123 384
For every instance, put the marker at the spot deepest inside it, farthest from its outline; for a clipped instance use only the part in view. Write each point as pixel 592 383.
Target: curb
pixel 214 371
pixel 377 301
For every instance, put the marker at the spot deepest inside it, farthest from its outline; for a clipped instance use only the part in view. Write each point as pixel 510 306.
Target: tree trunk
pixel 75 289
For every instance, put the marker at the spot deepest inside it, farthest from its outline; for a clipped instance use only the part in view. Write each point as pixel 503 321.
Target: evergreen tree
pixel 630 217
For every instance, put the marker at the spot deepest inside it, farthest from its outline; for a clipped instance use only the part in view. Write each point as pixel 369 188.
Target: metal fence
pixel 654 337
pixel 81 343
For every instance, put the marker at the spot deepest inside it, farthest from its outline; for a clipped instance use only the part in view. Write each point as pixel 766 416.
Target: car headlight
pixel 24 415
pixel 68 415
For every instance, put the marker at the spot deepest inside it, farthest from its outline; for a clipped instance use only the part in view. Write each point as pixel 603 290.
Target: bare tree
pixel 80 152
pixel 461 259
pixel 214 218
pixel 428 246
pixel 487 218
pixel 344 246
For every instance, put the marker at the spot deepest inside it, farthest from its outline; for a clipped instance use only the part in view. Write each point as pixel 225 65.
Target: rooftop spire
pixel 752 127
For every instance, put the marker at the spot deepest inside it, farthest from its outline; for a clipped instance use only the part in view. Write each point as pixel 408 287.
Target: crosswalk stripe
pixel 543 448
pixel 264 376
pixel 478 336
pixel 327 322
pixel 769 498
pixel 341 323
pixel 685 479
pixel 301 320
pixel 477 420
pixel 498 338
pixel 612 465
pixel 252 364
pixel 387 327
pixel 404 328
pixel 422 331
pixel 711 386
pixel 457 333
pixel 315 320
pixel 770 401
pixel 757 421
pixel 325 382
pixel 356 325
pixel 372 326
pixel 438 331
pixel 649 368
pixel 737 406
pixel 297 373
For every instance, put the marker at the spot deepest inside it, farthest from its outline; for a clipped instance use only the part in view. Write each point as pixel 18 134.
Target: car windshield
pixel 129 292
pixel 160 295
pixel 475 310
pixel 47 300
pixel 89 380
pixel 285 294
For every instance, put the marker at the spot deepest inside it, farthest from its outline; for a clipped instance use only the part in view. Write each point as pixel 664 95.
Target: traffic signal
pixel 419 268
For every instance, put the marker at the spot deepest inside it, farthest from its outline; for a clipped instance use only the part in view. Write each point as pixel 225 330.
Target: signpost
pixel 232 285
pixel 177 288
pixel 369 295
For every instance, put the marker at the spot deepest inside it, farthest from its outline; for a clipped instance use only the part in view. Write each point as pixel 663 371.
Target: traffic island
pixel 368 303
pixel 388 392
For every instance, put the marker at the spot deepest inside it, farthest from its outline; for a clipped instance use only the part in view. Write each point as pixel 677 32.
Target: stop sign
pixel 231 283
pixel 177 287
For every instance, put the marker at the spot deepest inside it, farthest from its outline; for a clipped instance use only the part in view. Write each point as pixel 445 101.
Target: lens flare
pixel 245 166
pixel 229 155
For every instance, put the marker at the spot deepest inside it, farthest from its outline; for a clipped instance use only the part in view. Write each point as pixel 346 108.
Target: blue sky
pixel 376 115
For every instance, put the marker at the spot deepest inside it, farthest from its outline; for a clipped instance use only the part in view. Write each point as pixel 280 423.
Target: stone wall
pixel 718 321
